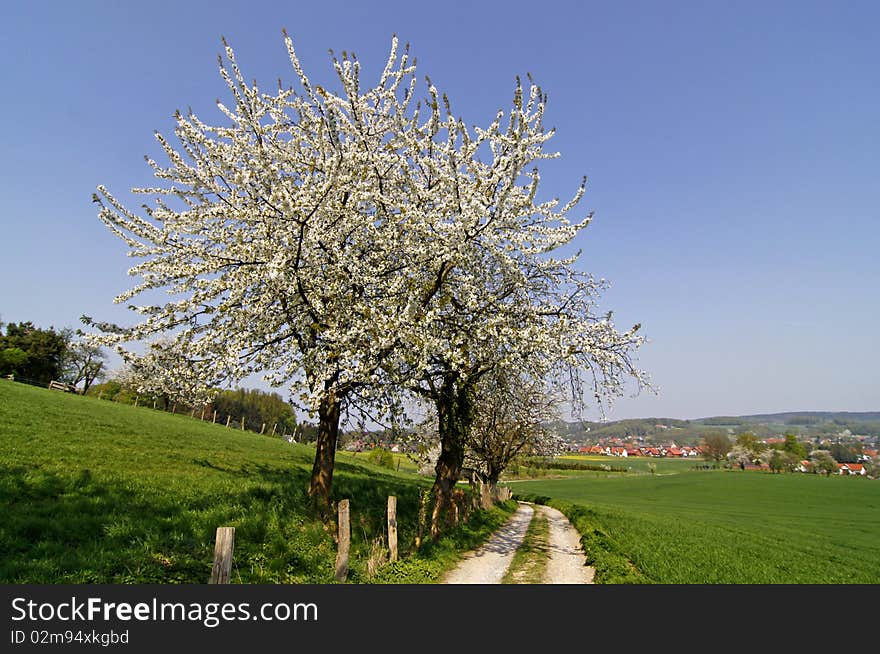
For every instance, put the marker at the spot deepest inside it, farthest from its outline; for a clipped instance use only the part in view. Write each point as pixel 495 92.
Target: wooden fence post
pixel 137 399
pixel 423 516
pixel 154 404
pixel 203 414
pixel 242 423
pixel 174 408
pixel 273 428
pixel 392 527
pixel 214 418
pixel 223 547
pixel 344 541
pixel 263 428
pixel 192 414
pixel 228 418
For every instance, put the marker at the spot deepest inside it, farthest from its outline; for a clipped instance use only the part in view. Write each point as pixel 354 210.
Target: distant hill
pixel 810 417
pixel 807 424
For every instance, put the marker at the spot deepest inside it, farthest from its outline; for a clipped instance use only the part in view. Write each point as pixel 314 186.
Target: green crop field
pixel 727 526
pixel 97 492
pixel 662 465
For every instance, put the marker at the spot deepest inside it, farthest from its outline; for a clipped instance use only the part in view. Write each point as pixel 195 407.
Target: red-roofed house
pixel 851 468
pixel 673 451
pixel 618 451
pixel 633 452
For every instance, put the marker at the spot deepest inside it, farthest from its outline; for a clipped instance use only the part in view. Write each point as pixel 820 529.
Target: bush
pixel 381 457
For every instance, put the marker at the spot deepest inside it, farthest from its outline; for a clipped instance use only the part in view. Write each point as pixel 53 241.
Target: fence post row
pixel 223 548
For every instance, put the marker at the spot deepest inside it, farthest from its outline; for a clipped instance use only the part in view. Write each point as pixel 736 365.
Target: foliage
pixel 846 453
pixel 43 350
pixel 741 456
pixel 822 462
pixel 510 416
pixel 82 363
pixel 750 442
pixel 559 464
pixel 715 447
pixel 258 408
pixel 381 457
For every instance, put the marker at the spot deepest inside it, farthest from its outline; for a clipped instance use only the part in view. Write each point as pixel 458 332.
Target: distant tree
pixel 44 349
pixel 12 361
pixel 82 363
pixel 510 417
pixel 872 467
pixel 794 447
pixel 844 453
pixel 715 446
pixel 257 408
pixel 779 460
pixel 749 441
pixel 740 456
pixel 822 462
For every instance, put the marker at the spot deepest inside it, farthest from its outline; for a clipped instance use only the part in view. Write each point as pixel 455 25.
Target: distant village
pixel 633 446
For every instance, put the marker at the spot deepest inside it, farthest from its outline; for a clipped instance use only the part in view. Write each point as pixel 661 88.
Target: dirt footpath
pixel 489 563
pixel 567 558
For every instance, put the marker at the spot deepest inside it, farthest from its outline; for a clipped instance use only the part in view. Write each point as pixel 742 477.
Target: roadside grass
pixel 728 527
pixel 529 563
pixel 435 558
pixel 98 492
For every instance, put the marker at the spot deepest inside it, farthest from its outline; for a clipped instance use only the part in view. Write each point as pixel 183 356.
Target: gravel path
pixel 567 558
pixel 489 563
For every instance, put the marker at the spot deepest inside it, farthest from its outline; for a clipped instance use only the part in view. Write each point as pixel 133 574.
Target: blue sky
pixel 731 149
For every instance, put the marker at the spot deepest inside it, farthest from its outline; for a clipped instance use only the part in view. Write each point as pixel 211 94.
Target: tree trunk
pixel 455 414
pixel 325 451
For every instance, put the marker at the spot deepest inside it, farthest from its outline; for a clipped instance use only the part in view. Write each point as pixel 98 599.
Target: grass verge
pixel 530 560
pixel 603 552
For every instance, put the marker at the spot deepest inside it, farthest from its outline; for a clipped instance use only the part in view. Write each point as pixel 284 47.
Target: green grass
pixel 638 464
pixel 530 560
pixel 723 526
pixel 98 492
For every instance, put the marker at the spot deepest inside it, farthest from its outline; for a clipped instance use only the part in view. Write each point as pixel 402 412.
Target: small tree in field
pixel 715 447
pixel 510 418
pixel 82 362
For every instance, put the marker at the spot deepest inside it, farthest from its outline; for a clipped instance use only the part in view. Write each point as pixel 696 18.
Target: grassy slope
pixel 729 527
pixel 98 492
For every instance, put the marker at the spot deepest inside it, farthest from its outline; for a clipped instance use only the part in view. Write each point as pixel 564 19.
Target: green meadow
pixel 729 527
pixel 98 492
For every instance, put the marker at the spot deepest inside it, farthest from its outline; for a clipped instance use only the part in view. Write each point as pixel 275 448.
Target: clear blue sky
pixel 732 151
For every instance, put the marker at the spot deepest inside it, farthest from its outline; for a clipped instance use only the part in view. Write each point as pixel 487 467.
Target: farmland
pixel 729 527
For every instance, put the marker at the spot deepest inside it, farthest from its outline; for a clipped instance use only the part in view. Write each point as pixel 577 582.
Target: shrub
pixel 381 457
